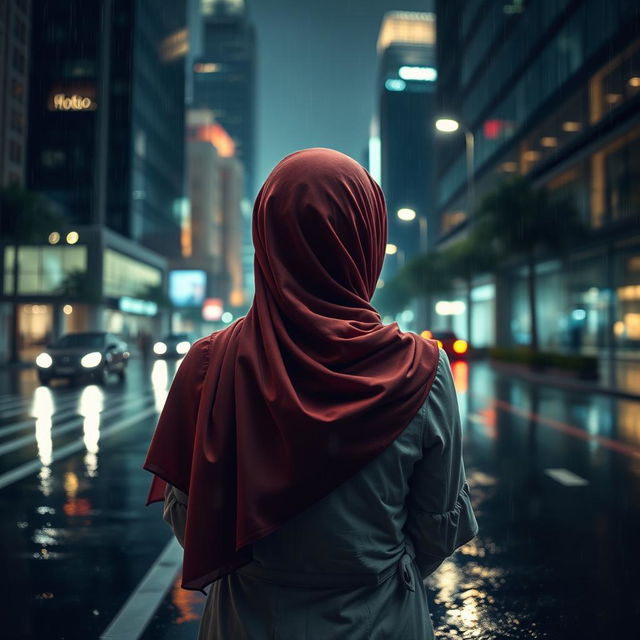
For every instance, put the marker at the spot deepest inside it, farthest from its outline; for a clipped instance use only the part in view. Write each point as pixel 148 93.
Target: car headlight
pixel 183 347
pixel 44 361
pixel 92 359
pixel 159 348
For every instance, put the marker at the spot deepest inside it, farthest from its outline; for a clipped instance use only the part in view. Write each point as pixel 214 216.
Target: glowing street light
pixel 447 125
pixel 406 214
pixel 409 215
pixel 391 249
pixel 450 125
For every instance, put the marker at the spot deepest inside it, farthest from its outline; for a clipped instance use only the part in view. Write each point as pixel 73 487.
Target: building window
pixel 20 30
pixel 15 152
pixel 17 89
pixel 124 276
pixel 18 60
pixel 41 270
pixel 17 121
pixel 53 158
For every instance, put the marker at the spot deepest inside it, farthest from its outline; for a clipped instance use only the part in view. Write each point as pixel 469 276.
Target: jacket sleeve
pixel 440 517
pixel 174 511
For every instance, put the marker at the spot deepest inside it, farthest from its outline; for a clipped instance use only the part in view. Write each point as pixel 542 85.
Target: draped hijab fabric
pixel 269 415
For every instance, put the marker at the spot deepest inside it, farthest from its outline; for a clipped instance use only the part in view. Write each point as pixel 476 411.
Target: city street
pixel 555 479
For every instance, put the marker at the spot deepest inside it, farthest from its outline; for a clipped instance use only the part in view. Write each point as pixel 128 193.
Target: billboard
pixel 187 287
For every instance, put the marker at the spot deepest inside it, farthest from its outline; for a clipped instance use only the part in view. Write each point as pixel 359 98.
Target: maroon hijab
pixel 271 414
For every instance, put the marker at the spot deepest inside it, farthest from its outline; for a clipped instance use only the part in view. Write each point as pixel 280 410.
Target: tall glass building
pixel 224 77
pixel 406 94
pixel 551 90
pixel 106 148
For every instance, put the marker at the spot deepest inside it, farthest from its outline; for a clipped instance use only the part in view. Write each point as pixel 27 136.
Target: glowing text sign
pixel 74 102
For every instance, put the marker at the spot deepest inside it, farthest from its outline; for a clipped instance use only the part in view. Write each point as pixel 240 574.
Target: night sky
pixel 317 66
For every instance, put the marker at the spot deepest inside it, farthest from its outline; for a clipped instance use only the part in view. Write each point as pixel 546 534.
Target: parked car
pixel 93 354
pixel 453 346
pixel 175 345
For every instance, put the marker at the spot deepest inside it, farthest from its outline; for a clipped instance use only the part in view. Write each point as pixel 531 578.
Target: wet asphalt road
pixel 555 480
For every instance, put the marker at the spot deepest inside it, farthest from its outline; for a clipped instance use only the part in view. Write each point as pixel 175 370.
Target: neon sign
pixel 74 102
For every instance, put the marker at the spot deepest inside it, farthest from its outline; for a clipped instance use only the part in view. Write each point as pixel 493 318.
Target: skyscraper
pixel 406 85
pixel 106 147
pixel 107 113
pixel 224 77
pixel 14 63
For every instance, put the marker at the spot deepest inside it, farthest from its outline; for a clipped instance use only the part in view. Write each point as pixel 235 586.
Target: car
pixel 175 345
pixel 92 354
pixel 454 347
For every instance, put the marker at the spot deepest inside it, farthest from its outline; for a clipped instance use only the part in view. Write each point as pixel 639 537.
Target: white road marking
pixel 29 468
pixel 131 621
pixel 566 477
pixel 63 427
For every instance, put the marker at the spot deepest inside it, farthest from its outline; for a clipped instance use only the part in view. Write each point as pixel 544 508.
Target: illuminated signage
pixel 72 96
pixel 420 74
pixel 212 309
pixel 62 102
pixel 138 307
pixel 187 287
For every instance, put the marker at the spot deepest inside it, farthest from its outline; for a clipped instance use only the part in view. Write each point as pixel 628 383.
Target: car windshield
pixel 90 340
pixel 178 337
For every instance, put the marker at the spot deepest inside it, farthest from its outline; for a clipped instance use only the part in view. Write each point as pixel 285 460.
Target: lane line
pixel 134 616
pixel 566 477
pixel 569 429
pixel 29 468
pixel 59 428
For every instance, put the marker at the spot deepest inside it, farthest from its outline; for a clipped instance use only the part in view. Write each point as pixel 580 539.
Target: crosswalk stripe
pixel 64 427
pixel 566 477
pixel 29 468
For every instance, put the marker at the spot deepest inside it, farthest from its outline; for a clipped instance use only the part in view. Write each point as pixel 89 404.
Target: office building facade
pixel 106 149
pixel 15 35
pixel 550 90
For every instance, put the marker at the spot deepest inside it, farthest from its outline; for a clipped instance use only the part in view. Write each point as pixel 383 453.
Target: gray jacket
pixel 351 566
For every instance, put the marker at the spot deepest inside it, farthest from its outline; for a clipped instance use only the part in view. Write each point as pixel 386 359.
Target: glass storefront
pixel 41 270
pixel 124 276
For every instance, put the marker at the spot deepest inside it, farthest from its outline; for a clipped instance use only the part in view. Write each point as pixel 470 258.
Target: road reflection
pixel 90 406
pixel 42 409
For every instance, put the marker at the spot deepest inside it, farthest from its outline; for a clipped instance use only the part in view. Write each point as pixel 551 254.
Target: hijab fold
pixel 269 415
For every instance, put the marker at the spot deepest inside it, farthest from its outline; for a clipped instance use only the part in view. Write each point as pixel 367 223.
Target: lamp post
pixel 408 215
pixel 449 125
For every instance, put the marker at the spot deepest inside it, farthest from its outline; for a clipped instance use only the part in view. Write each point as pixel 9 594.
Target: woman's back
pixel 347 567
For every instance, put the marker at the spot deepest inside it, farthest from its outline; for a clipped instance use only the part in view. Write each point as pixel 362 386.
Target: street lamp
pixel 450 125
pixel 408 215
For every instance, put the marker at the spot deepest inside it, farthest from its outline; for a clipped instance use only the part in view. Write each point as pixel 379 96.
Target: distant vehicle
pixel 94 354
pixel 453 346
pixel 175 345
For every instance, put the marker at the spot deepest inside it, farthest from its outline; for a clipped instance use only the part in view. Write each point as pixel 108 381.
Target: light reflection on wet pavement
pixel 551 561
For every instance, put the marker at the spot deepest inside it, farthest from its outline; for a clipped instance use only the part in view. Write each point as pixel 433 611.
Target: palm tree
pixel 524 221
pixel 472 255
pixel 24 217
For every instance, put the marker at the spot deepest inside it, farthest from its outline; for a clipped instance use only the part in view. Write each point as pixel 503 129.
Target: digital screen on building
pixel 187 287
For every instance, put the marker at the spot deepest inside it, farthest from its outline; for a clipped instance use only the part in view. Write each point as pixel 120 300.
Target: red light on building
pixel 492 129
pixel 212 309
